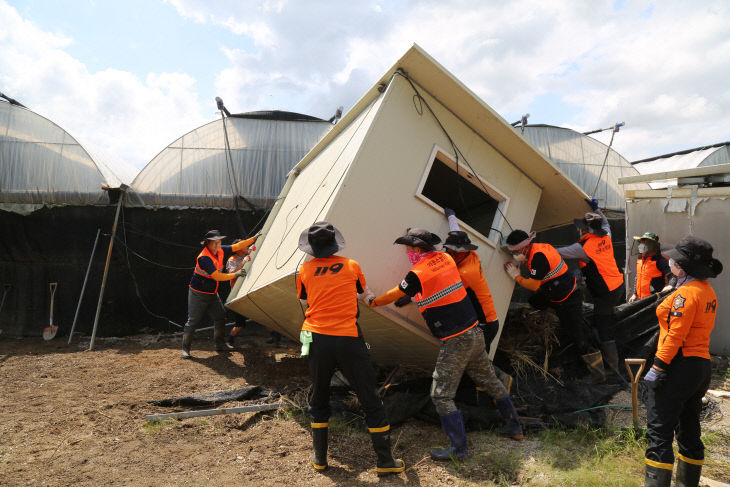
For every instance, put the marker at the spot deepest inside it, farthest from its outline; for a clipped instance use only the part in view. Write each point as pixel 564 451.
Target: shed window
pixel 469 197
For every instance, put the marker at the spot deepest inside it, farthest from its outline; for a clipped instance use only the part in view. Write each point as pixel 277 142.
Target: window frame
pixel 493 239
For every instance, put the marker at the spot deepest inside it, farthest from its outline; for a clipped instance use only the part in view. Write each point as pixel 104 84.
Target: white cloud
pixel 659 66
pixel 114 110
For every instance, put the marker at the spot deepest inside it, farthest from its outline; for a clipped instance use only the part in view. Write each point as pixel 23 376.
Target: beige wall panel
pixel 377 201
pixel 709 222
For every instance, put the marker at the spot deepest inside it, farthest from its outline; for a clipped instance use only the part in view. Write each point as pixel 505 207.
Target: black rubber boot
pixel 610 355
pixel 513 429
pixel 594 362
pixel 657 477
pixel 386 464
pixel 187 340
pixel 688 474
pixel 319 441
pixel 453 424
pixel 219 335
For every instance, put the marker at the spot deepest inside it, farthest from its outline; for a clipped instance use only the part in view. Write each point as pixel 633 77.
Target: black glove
pixel 490 331
pixel 449 212
pixel 402 301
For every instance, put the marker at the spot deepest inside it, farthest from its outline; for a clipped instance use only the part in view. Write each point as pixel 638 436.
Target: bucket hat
pixel 591 222
pixel 694 256
pixel 648 236
pixel 418 237
pixel 212 235
pixel 458 241
pixel 321 240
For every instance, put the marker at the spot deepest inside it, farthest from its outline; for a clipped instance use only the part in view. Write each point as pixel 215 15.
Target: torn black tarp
pixel 216 398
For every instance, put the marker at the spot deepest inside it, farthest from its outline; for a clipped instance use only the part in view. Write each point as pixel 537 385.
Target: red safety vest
pixel 602 274
pixel 217 260
pixel 443 301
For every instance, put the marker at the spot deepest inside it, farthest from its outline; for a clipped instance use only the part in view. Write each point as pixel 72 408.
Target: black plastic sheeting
pixel 54 245
pixel 217 398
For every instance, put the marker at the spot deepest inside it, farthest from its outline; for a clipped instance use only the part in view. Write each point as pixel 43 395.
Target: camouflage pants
pixel 459 354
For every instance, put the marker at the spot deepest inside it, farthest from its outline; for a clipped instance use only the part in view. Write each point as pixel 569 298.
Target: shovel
pixel 50 331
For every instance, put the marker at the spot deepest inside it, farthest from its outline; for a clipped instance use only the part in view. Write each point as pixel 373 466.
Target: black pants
pixel 570 313
pixel 674 406
pixel 350 355
pixel 201 305
pixel 603 312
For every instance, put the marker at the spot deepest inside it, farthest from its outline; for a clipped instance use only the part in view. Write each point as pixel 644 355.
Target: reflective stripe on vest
pixel 217 261
pixel 555 260
pixel 440 281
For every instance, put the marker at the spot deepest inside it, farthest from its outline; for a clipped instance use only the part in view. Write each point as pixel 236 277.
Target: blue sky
pixel 131 77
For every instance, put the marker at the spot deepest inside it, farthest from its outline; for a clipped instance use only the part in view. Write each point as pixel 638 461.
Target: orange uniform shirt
pixel 330 285
pixel 686 319
pixel 470 270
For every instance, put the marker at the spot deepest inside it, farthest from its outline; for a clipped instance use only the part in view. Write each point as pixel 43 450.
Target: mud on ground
pixel 74 417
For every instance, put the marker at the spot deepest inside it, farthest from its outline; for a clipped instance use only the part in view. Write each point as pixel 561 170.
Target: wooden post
pixel 123 189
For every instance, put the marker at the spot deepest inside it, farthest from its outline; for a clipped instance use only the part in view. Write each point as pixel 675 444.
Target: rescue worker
pixel 235 263
pixel 439 293
pixel 203 296
pixel 461 249
pixel 554 287
pixel 680 374
pixel 652 268
pixel 329 285
pixel 605 283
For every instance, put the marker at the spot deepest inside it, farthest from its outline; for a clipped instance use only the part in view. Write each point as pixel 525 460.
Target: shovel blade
pixel 49 332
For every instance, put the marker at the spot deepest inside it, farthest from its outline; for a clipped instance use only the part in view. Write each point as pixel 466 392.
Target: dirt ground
pixel 74 417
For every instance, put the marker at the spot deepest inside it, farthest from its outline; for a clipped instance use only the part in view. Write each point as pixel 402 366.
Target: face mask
pixel 519 257
pixel 676 270
pixel 642 248
pixel 414 257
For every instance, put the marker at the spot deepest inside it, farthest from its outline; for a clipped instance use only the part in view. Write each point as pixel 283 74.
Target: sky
pixel 132 76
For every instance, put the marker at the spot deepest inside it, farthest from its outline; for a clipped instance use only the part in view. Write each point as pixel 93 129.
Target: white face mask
pixel 676 270
pixel 642 248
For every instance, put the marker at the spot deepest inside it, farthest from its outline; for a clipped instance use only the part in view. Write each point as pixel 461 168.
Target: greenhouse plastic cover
pixel 194 171
pixel 580 158
pixel 42 165
pixel 710 156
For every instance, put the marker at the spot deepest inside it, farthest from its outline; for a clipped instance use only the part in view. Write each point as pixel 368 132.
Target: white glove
pixel 512 270
pixel 632 298
pixel 240 273
pixel 667 288
pixel 366 296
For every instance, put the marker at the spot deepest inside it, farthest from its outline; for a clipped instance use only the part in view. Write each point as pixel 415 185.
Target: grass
pixel 155 427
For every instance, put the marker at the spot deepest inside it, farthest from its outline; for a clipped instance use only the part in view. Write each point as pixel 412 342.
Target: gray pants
pixel 200 305
pixel 459 354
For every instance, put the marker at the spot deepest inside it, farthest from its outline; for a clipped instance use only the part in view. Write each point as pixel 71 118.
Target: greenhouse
pixel 196 170
pixel 687 159
pixel 581 158
pixel 43 165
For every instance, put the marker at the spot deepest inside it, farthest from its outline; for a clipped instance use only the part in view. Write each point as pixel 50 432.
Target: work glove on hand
pixel 256 237
pixel 372 303
pixel 593 203
pixel 449 212
pixel 240 273
pixel 512 270
pixel 632 298
pixel 655 376
pixel 402 301
pixel 490 332
pixel 367 296
pixel 666 288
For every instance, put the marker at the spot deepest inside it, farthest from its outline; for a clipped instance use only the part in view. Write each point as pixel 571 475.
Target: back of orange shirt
pixel 470 270
pixel 686 318
pixel 330 285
